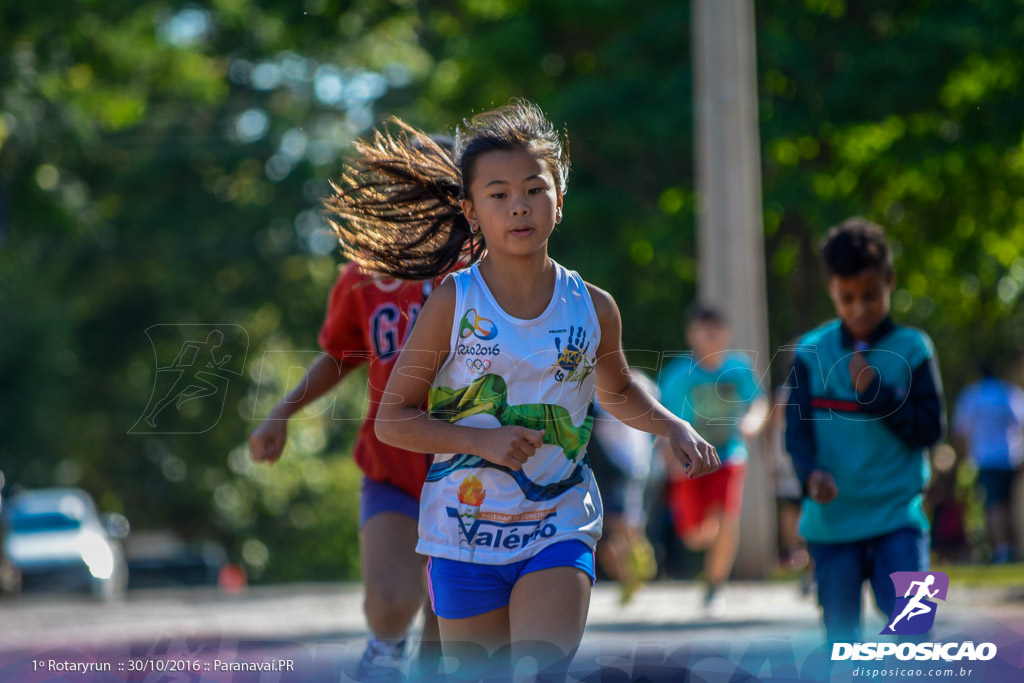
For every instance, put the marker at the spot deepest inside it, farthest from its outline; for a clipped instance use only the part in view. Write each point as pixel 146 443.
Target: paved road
pixel 320 628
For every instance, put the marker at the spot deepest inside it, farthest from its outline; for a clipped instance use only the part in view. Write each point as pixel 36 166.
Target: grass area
pixel 984 575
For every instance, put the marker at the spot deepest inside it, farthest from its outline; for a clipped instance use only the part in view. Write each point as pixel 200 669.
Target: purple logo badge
pixel 914 612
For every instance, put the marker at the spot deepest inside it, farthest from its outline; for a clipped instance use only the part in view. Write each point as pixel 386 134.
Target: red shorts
pixel 691 500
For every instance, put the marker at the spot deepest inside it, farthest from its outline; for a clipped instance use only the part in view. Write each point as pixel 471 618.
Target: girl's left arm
pixel 629 403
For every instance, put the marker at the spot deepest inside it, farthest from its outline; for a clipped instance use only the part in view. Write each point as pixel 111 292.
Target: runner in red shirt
pixel 368 320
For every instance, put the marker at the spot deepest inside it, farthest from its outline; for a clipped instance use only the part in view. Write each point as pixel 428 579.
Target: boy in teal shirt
pixel 865 406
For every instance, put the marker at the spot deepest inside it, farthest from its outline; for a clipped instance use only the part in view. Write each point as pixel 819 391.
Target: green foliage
pixel 161 167
pixel 908 115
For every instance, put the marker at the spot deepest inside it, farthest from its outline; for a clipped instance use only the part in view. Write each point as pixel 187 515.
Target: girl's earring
pixel 558 216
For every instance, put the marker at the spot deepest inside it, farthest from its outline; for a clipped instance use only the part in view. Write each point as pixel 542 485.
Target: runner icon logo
pixel 914 611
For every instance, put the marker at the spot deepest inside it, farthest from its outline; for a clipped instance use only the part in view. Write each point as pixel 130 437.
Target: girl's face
pixel 514 200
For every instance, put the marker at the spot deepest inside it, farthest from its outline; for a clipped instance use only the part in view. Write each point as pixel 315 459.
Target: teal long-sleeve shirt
pixel 874 444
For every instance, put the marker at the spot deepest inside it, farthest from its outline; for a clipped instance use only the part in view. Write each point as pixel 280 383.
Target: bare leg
pixel 474 641
pixel 392 574
pixel 999 532
pixel 549 607
pixel 720 556
pixel 430 641
pixel 703 536
pixel 793 547
pixel 613 548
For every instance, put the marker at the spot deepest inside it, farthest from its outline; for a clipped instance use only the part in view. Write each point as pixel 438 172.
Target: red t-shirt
pixel 369 320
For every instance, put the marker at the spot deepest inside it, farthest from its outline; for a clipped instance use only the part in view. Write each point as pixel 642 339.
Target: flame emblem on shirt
pixel 471 491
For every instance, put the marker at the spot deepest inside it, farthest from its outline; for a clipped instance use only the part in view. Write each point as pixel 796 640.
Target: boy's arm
pixel 919 419
pixel 800 425
pixel 816 483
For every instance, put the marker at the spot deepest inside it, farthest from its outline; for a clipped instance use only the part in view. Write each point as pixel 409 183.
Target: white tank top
pixel 535 373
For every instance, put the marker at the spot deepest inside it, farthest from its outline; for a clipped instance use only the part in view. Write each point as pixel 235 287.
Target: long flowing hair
pixel 397 209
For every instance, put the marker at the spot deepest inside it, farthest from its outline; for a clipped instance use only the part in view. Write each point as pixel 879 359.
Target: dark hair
pixel 520 125
pixel 856 245
pixel 701 313
pixel 397 209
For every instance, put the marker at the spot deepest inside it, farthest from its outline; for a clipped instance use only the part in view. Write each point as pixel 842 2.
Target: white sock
pixel 387 646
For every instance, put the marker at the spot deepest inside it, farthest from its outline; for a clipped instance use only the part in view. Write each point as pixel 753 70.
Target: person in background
pixel 988 426
pixel 621 458
pixel 716 390
pixel 865 407
pixel 369 317
pixel 792 547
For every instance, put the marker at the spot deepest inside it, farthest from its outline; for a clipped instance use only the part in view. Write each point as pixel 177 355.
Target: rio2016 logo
pixel 477 326
pixel 914 611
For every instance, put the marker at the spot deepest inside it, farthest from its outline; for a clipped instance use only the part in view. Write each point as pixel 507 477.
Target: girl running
pixel 507 354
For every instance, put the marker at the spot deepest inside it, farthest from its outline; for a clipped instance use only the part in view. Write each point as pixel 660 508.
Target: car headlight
pixel 97 555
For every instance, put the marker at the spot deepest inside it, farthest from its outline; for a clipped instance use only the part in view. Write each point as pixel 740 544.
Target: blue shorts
pixel 997 485
pixel 466 589
pixel 376 497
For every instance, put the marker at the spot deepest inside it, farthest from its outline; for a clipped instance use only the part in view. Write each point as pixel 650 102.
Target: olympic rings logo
pixel 478 326
pixel 477 365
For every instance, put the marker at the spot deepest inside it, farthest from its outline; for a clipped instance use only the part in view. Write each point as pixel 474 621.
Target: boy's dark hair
pixel 702 313
pixel 397 210
pixel 856 245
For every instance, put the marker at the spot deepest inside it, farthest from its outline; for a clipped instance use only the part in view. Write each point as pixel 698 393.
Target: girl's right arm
pixel 401 422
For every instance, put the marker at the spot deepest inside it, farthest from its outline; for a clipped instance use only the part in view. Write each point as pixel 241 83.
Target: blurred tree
pixel 909 114
pixel 160 172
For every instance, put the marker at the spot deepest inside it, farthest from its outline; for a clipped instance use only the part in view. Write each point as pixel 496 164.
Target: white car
pixel 55 541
